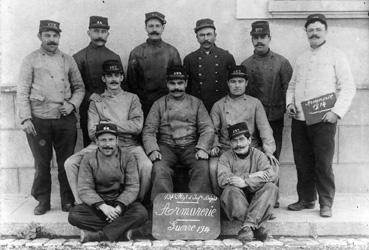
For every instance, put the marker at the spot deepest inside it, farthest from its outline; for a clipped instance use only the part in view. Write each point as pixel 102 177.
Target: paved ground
pixel 278 243
pixel 347 229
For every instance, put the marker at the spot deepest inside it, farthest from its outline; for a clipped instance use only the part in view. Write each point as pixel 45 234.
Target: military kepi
pixel 46 25
pixel 98 22
pixel 238 129
pixel 103 128
pixel 315 17
pixel 112 66
pixel 176 72
pixel 204 23
pixel 237 71
pixel 260 28
pixel 156 15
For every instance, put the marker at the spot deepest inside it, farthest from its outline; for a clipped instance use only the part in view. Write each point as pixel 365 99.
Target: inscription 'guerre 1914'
pixel 186 216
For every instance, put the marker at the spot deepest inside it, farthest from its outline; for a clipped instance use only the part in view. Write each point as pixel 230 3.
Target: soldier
pixel 108 185
pixel 238 107
pixel 318 71
pixel 149 61
pixel 207 67
pixel 49 92
pixel 178 129
pixel 89 61
pixel 268 76
pixel 124 109
pixel 245 176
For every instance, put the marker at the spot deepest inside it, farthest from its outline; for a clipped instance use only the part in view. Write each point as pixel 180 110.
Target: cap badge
pixel 53 25
pixel 106 128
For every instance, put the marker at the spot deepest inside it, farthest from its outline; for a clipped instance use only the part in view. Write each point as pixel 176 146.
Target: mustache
pixel 238 147
pixel 114 82
pixel 52 43
pixel 154 33
pixel 206 42
pixel 99 39
pixel 107 147
pixel 177 90
pixel 314 36
pixel 259 44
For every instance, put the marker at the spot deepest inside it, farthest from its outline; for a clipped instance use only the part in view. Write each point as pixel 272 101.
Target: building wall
pixel 19 26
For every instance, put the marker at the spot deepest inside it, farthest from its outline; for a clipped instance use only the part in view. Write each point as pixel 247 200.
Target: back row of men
pixel 178 128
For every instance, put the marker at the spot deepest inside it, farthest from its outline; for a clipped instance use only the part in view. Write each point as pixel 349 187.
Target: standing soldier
pixel 148 63
pixel 208 67
pixel 318 71
pixel 50 90
pixel 89 61
pixel 269 74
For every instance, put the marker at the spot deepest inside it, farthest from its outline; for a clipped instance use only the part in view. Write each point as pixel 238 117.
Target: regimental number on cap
pixel 237 71
pixel 113 67
pixel 236 130
pixel 259 29
pixel 106 128
pixel 98 22
pixel 52 25
pixel 177 73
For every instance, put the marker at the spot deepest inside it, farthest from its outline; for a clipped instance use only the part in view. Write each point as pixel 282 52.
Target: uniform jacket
pixel 208 74
pixel 102 178
pixel 269 76
pixel 178 122
pixel 318 72
pixel 147 70
pixel 90 61
pixel 229 111
pixel 124 110
pixel 229 164
pixel 46 81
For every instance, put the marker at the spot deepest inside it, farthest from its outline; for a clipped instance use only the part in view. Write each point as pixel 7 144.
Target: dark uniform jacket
pixel 108 178
pixel 208 74
pixel 147 70
pixel 89 61
pixel 269 76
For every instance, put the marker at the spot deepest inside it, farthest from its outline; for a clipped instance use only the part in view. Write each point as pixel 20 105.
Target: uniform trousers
pixel 176 156
pixel 313 150
pixel 143 162
pixel 60 134
pixel 83 119
pixel 277 127
pixel 251 208
pixel 89 218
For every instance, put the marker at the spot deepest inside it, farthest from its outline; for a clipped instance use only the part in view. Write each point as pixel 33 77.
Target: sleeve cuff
pixel 118 203
pixel 97 204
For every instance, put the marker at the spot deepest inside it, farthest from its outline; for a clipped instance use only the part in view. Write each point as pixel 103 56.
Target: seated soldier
pixel 178 130
pixel 234 108
pixel 124 109
pixel 245 176
pixel 108 186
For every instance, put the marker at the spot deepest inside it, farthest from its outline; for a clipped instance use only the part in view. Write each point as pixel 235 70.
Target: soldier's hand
pixel 237 181
pixel 214 151
pixel 291 110
pixel 273 161
pixel 66 109
pixel 95 97
pixel 110 212
pixel 201 155
pixel 28 127
pixel 155 156
pixel 330 117
pixel 261 174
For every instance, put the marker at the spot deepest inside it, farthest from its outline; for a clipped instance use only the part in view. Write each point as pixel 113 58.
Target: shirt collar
pixel 211 51
pixel 268 54
pixel 228 98
pixel 319 48
pixel 43 51
pixel 94 46
pixel 107 93
pixel 156 42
